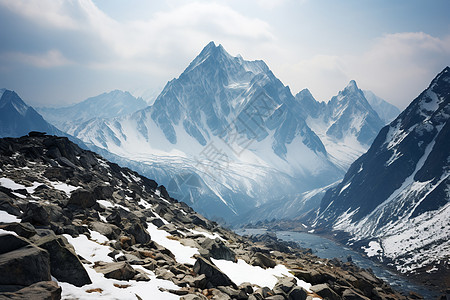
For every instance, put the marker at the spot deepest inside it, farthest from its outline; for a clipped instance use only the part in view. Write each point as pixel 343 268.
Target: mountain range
pixel 226 134
pixel 229 139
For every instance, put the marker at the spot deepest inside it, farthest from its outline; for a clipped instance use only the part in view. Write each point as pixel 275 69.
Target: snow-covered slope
pixel 394 200
pixel 222 136
pixel 347 124
pixel 386 111
pixel 107 105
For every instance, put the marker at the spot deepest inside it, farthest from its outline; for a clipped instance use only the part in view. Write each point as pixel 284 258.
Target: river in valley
pixel 326 248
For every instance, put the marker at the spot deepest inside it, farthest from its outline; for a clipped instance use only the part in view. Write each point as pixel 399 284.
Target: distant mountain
pixel 17 118
pixel 386 111
pixel 107 105
pixel 347 124
pixel 394 200
pixel 223 136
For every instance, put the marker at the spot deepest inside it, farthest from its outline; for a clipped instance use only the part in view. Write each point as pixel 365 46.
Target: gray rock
pixel 119 270
pixel 103 192
pixel 109 230
pixel 219 295
pixel 233 293
pixel 263 292
pixel 297 293
pixel 247 287
pixel 44 290
pixel 138 231
pixel 262 260
pixel 218 250
pixel 141 276
pixel 255 297
pixel 24 266
pixel 157 222
pixel 284 286
pixel 324 291
pixel 36 213
pixel 10 242
pixel 199 281
pixel 64 262
pixel 349 294
pixel 25 230
pixel 213 274
pixel 82 198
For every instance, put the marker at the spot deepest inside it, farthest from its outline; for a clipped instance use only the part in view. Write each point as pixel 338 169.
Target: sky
pixel 59 52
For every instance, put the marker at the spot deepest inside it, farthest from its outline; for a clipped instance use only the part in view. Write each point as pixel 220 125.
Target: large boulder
pixel 324 291
pixel 24 266
pixel 109 230
pixel 262 260
pixel 213 274
pixel 284 286
pixel 218 250
pixel 25 230
pixel 35 213
pixel 82 198
pixel 64 263
pixel 350 294
pixel 117 270
pixel 11 242
pixel 298 293
pixel 138 231
pixel 44 290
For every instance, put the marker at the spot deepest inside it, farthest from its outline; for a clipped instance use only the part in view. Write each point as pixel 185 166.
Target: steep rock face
pixel 347 124
pixel 395 197
pixel 107 105
pixel 222 136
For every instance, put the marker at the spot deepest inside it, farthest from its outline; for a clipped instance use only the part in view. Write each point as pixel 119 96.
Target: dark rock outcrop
pixel 64 263
pixel 213 274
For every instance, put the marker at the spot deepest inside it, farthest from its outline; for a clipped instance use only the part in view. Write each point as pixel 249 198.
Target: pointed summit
pixel 352 85
pixel 12 100
pixel 218 53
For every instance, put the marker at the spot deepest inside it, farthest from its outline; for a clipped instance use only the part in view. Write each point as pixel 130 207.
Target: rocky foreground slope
pixel 75 226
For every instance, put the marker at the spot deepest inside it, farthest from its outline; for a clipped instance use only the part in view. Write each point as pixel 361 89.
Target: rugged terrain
pixel 394 199
pixel 76 226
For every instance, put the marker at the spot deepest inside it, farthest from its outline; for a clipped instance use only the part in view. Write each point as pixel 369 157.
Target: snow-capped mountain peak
pixel 351 86
pixel 238 110
pixel 347 124
pixel 395 196
pixel 11 99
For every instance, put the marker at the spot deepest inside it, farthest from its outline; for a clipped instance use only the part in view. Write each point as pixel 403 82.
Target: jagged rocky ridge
pixel 394 201
pixel 76 225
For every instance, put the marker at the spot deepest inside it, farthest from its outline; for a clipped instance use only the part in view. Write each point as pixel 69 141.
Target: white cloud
pixel 397 67
pixel 50 59
pixel 47 12
pixel 174 32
